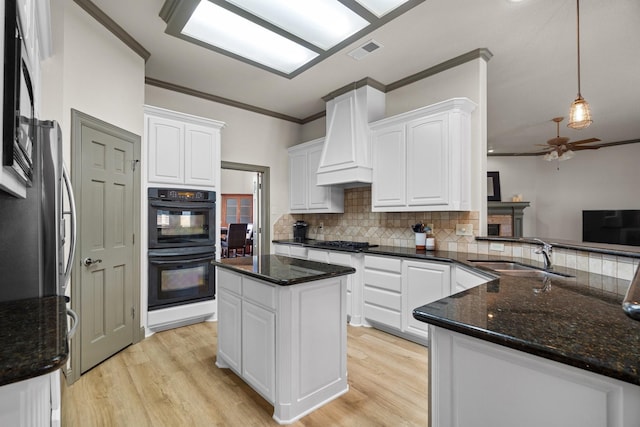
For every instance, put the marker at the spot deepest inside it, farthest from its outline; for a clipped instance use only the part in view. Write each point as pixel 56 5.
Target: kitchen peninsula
pixel 282 327
pixel 533 351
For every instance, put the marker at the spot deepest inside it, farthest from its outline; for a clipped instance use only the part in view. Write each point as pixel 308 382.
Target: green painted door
pixel 106 248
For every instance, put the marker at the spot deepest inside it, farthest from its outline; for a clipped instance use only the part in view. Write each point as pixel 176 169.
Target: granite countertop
pixel 286 271
pixel 570 323
pixel 33 338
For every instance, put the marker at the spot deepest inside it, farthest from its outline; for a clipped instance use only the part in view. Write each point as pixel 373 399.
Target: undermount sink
pixel 510 268
pixel 502 265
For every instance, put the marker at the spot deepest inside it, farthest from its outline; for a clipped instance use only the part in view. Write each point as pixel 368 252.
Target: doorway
pixel 259 176
pixel 104 289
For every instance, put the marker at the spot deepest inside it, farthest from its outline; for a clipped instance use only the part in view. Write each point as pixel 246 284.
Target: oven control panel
pixel 181 195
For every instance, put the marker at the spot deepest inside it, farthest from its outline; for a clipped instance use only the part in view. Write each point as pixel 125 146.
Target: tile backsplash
pixel 358 223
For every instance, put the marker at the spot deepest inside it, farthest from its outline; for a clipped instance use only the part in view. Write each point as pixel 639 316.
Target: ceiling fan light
pixel 552 155
pixel 567 155
pixel 579 114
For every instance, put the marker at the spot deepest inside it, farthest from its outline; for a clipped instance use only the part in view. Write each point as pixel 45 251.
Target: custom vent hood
pixel 346 156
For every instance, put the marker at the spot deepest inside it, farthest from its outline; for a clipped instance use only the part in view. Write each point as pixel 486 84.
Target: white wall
pixel 236 182
pixel 246 138
pixel 607 178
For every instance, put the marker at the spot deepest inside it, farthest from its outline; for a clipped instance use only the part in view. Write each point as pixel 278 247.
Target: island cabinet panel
pixel 33 402
pixel 229 333
pixel 258 349
pixel 475 383
pixel 288 342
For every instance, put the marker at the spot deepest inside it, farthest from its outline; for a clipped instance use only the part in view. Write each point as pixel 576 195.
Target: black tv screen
pixel 620 227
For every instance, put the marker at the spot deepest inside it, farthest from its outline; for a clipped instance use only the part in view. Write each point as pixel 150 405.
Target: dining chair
pixel 236 239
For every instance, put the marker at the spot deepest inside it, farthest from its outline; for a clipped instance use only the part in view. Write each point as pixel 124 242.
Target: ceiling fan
pixel 561 149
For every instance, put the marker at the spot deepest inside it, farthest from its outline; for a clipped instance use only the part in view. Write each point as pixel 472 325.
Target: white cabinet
pixel 289 343
pixel 421 159
pixel 259 348
pixel 394 287
pixel 423 282
pixel 294 251
pixel 182 149
pixel 463 279
pixel 34 402
pixel 382 291
pixel 305 196
pixel 476 383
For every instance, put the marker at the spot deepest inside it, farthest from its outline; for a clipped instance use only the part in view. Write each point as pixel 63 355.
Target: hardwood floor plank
pixel 170 379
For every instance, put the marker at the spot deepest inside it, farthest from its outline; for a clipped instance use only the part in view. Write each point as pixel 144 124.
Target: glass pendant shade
pixel 579 114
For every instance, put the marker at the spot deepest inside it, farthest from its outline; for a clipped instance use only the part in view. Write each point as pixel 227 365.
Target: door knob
pixel 89 261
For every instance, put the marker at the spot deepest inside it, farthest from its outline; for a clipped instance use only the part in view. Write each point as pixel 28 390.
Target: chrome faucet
pixel 546 251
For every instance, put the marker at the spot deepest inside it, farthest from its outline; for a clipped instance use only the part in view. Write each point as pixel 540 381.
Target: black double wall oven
pixel 182 241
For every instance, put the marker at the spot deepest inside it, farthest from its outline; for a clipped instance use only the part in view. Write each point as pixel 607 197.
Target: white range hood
pixel 346 156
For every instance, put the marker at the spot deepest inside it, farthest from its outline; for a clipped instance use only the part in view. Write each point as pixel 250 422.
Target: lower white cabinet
pixel 382 292
pixel 289 343
pixel 423 283
pixel 394 287
pixel 294 251
pixel 475 383
pixel 34 402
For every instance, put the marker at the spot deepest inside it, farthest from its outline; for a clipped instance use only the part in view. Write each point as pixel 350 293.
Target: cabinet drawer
pixel 299 252
pixel 383 298
pixel 229 281
pixel 382 263
pixel 382 315
pixel 383 279
pixel 340 258
pixel 319 256
pixel 260 293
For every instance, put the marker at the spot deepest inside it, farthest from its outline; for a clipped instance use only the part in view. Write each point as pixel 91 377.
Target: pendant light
pixel 579 113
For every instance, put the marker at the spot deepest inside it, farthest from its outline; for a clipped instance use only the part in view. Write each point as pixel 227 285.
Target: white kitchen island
pixel 282 329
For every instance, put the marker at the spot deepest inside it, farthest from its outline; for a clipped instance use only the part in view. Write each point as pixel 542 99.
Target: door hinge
pixel 133 312
pixel 133 238
pixel 133 164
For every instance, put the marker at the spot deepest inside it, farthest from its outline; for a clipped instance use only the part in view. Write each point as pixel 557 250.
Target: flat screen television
pixel 620 227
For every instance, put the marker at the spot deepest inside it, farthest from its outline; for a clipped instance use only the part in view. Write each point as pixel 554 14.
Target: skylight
pixel 282 36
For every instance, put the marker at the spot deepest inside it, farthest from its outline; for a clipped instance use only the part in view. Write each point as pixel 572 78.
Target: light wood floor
pixel 170 379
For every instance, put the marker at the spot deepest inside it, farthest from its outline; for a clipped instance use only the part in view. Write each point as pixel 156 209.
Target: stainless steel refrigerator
pixel 33 262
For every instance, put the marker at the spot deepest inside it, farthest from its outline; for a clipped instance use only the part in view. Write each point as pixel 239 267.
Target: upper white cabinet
pixel 182 149
pixel 421 159
pixel 305 195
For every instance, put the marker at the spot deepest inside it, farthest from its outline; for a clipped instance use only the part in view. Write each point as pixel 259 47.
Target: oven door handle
pixel 188 261
pixel 182 205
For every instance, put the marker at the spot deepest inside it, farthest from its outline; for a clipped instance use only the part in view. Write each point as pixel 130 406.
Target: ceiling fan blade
pixel 558 140
pixel 585 141
pixel 580 147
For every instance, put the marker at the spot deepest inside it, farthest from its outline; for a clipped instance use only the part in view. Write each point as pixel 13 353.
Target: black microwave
pixel 18 121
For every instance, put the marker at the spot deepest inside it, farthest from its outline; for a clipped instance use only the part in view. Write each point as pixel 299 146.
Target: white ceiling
pixel 531 77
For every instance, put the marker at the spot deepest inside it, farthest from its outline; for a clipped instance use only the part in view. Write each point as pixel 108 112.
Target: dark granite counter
pixel 569 322
pixel 285 271
pixel 33 338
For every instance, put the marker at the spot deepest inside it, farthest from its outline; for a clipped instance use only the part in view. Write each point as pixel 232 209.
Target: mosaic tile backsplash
pixel 358 223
